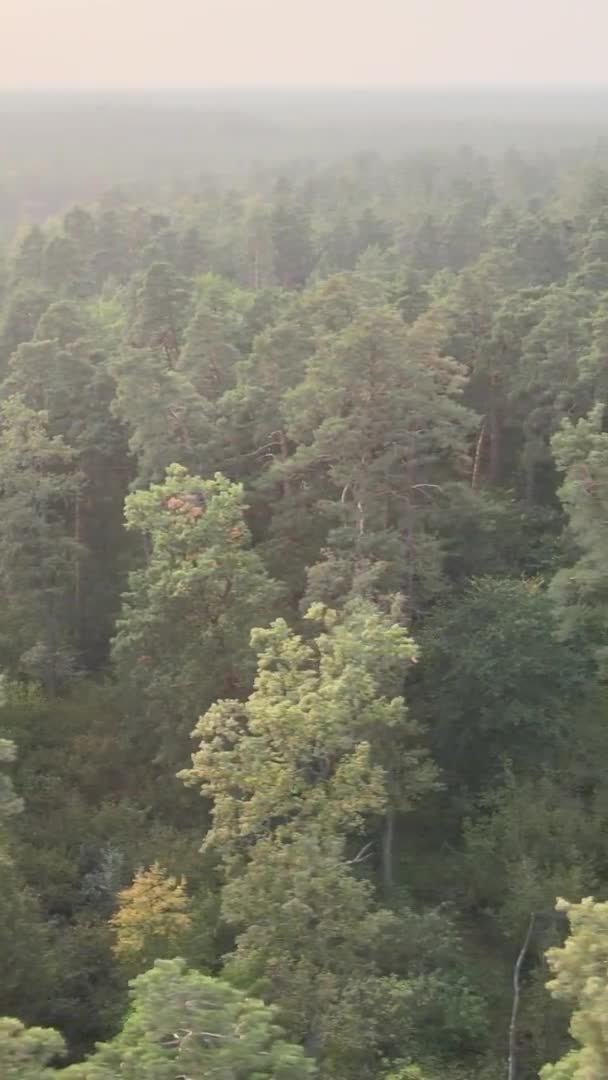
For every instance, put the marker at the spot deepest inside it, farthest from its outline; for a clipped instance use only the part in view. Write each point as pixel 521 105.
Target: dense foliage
pixel 303 633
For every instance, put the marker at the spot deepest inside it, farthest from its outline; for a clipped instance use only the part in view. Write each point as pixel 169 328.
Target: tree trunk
pixel 511 1074
pixel 479 449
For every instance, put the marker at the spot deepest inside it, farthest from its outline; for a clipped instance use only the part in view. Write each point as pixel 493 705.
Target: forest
pixel 304 603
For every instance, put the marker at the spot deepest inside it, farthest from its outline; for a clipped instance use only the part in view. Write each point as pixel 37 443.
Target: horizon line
pixel 303 87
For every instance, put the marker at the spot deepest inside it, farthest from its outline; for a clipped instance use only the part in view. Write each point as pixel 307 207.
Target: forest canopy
pixel 304 582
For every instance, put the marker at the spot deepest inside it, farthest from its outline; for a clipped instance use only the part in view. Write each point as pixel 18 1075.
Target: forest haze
pixel 58 148
pixel 304 585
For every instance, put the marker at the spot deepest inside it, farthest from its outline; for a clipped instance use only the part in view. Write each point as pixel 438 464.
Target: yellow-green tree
pixel 324 740
pixel 152 918
pixel 580 969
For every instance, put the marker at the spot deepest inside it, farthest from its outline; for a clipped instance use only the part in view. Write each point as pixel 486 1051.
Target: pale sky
pixel 195 43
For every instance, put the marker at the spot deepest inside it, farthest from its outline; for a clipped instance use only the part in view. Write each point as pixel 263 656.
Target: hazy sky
pixel 140 43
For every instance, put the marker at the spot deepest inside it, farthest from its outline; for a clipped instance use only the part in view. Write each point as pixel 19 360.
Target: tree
pixel 209 357
pixel 579 968
pixel 593 379
pixel 182 1023
pixel 79 225
pixel 593 272
pixel 293 762
pixel 152 917
pixel 21 315
pixel 355 983
pixel 55 379
pixel 26 1052
pixel 290 226
pixel 309 938
pixel 26 947
pixel 164 415
pixel 111 253
pixel 38 555
pixel 581 454
pixel 183 634
pixel 531 837
pixel 323 741
pixel 62 267
pixel 548 380
pixel 28 254
pixel 478 321
pixel 65 322
pixel 64 371
pixel 159 312
pixel 259 246
pixel 495 682
pixel 378 416
pixel 191 252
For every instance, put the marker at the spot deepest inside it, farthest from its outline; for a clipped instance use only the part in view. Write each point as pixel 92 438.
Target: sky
pixel 99 44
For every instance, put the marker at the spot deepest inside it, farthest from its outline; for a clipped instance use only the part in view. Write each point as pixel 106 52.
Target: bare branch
pixel 361 855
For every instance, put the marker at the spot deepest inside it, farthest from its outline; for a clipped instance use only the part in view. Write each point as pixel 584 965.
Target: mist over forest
pixel 58 147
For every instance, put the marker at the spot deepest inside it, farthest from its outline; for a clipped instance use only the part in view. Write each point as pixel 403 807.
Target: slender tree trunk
pixel 388 840
pixel 512 1067
pixel 479 449
pixel 360 518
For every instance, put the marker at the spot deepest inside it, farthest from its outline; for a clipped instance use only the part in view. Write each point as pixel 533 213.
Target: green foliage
pixel 38 555
pixel 534 841
pixel 581 453
pixel 25 1052
pixel 160 306
pixel 354 982
pixel 495 680
pixel 360 387
pixel 182 1023
pixel 186 618
pixel 378 415
pixel 315 741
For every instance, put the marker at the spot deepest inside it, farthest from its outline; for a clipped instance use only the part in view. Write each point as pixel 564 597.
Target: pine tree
pixel 378 418
pixel 160 309
pixel 38 555
pixel 581 454
pixel 182 1023
pixel 25 1053
pixel 209 357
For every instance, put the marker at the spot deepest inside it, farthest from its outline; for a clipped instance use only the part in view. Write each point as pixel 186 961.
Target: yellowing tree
pixel 581 976
pixel 152 918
